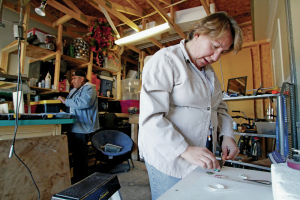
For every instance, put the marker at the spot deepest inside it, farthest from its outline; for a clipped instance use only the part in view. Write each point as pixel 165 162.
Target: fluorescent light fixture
pixel 41 10
pixel 143 34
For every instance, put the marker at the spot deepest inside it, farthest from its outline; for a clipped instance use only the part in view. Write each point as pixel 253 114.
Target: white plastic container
pixel 48 81
pixel 130 89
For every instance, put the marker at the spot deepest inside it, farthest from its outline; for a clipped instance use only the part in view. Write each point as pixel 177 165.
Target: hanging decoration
pixel 101 38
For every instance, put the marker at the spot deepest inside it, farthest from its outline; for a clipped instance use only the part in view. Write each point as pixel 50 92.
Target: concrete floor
pixel 135 183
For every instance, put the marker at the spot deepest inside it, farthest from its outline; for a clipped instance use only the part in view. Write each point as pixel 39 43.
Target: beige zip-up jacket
pixel 179 107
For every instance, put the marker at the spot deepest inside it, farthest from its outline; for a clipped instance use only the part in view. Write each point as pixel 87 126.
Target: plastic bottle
pixel 48 81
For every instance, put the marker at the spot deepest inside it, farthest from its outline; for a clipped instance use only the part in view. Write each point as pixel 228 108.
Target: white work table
pixel 200 185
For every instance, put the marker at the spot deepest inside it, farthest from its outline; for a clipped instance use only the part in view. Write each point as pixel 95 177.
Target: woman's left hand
pixel 229 148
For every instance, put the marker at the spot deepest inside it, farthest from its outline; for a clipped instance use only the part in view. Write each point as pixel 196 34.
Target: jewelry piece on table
pixel 217 187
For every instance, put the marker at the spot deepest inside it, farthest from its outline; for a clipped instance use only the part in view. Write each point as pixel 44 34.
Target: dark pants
pixel 78 146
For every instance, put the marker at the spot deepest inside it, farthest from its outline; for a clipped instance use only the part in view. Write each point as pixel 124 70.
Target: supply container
pixel 130 89
pixel 46 106
pixel 125 104
pixel 106 85
pixel 41 35
pixel 266 127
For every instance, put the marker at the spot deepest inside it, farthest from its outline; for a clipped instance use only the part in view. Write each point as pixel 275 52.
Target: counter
pixel 201 185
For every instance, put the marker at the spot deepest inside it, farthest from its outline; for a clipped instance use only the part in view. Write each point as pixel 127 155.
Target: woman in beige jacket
pixel 181 104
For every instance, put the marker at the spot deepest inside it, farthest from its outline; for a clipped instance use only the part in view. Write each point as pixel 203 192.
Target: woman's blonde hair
pixel 215 25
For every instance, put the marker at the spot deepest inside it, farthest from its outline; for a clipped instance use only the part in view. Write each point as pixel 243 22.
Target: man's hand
pixel 62 99
pixel 200 156
pixel 229 148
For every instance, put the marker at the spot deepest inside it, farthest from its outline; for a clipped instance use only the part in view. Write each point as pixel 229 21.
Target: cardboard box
pixel 41 35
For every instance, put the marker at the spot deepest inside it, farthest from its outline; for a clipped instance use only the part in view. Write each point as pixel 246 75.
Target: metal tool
pixel 245 177
pixel 242 180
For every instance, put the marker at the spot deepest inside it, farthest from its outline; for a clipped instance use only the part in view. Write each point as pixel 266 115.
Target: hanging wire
pixel 18 102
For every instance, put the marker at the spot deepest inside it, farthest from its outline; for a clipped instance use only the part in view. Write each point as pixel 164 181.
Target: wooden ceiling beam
pixel 205 6
pixel 125 9
pixel 135 6
pixel 73 6
pixel 110 21
pixel 164 15
pixel 61 20
pixel 167 2
pixel 122 17
pixel 133 48
pixel 157 43
pixel 79 17
pixel 114 12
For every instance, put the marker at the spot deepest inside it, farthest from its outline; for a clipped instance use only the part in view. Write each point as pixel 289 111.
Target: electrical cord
pixel 18 32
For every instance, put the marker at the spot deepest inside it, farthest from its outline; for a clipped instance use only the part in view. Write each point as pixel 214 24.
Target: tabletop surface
pixel 202 184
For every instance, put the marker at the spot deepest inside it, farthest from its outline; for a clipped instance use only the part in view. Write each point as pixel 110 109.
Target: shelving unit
pixel 252 134
pixel 40 54
pixel 249 97
pixel 255 135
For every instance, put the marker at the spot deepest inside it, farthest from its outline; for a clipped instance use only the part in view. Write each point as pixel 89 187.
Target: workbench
pixel 32 128
pixel 201 185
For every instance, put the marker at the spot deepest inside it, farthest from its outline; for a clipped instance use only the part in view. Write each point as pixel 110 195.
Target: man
pixel 83 103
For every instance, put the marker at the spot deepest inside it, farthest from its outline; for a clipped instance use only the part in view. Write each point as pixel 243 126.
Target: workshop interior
pixel 46 43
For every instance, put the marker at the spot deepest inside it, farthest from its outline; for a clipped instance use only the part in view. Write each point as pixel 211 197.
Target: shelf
pixel 36 122
pixel 246 164
pixel 249 97
pixel 46 90
pixel 249 165
pixel 103 97
pixel 255 135
pixel 37 53
pixel 96 67
pixel 75 61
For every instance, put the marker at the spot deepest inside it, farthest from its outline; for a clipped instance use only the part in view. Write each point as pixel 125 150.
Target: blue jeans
pixel 159 182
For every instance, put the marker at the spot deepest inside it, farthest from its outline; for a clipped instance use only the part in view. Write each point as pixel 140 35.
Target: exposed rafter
pixel 110 21
pixel 135 6
pixel 73 6
pixel 79 17
pixel 122 17
pixel 166 18
pixel 167 2
pixel 205 6
pixel 125 9
pixel 61 20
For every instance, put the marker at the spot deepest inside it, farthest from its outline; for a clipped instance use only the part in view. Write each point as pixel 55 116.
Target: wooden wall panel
pixel 236 66
pixel 253 61
pixel 247 33
pixel 47 158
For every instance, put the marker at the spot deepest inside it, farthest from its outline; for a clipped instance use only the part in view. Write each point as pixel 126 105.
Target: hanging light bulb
pixel 41 10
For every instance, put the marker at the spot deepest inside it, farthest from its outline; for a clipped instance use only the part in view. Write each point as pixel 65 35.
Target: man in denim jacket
pixel 83 103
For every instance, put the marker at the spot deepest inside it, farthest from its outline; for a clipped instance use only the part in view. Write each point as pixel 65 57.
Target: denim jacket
pixel 84 105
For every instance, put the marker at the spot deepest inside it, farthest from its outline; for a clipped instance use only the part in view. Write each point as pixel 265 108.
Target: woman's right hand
pixel 201 156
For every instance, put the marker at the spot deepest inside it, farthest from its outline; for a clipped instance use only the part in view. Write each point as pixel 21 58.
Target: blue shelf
pixel 36 122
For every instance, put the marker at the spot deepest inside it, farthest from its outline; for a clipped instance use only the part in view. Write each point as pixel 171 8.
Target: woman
pixel 181 104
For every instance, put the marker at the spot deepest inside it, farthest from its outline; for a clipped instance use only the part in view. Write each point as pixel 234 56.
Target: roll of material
pixel 18 95
pixel 285 182
pixel 293 164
